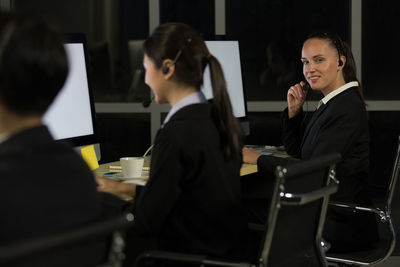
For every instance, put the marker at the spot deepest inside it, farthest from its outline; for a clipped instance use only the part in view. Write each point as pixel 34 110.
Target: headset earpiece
pixel 340 63
pixel 165 70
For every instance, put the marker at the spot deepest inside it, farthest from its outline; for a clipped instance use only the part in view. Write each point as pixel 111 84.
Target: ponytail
pixel 349 70
pixel 227 124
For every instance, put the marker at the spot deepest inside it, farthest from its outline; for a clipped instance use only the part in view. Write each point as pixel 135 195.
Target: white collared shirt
pixel 194 98
pixel 336 92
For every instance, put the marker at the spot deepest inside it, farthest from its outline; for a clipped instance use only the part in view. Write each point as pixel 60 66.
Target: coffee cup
pixel 132 166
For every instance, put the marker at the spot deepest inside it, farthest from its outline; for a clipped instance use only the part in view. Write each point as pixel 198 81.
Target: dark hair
pixel 33 64
pixel 343 49
pixel 184 45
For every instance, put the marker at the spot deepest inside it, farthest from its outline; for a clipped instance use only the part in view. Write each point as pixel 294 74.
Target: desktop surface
pixel 115 167
pixel 246 169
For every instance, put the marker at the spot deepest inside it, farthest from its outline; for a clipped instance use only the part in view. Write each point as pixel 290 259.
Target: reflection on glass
pixel 380 53
pixel 260 27
pixel 283 69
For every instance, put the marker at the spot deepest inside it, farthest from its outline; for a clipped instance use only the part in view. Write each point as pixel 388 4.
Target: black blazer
pixel 192 201
pixel 339 126
pixel 45 187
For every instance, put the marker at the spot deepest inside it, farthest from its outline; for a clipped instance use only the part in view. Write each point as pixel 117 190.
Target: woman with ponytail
pixel 338 125
pixel 192 200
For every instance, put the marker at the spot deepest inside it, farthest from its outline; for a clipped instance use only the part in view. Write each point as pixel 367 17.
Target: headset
pixel 338 44
pixel 306 86
pixel 165 69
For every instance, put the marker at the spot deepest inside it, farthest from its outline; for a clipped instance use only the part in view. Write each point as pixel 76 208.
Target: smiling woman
pixel 321 66
pixel 338 125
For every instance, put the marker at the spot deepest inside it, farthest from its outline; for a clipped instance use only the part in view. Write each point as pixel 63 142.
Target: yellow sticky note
pixel 89 156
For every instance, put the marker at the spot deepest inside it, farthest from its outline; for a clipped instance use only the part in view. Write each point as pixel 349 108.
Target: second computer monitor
pixel 71 116
pixel 227 53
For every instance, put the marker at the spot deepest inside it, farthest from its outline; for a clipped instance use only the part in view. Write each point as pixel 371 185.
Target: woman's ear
pixel 168 68
pixel 342 61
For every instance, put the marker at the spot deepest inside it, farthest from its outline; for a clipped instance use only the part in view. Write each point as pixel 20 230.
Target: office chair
pixel 138 90
pixel 385 246
pixel 100 69
pixel 294 225
pixel 98 244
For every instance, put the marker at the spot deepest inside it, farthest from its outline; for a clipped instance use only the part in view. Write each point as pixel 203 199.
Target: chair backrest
pixel 392 200
pixel 135 48
pixel 297 213
pixel 91 245
pixel 394 176
pixel 100 67
pixel 138 90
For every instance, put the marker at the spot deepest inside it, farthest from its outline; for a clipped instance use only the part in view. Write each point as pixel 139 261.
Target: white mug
pixel 132 166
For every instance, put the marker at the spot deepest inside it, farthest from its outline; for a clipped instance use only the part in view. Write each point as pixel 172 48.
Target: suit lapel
pixel 314 118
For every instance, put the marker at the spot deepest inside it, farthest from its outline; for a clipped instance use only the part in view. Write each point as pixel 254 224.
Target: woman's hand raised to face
pixel 295 98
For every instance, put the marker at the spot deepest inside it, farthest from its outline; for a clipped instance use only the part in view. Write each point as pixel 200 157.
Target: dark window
pixel 271 33
pixel 123 135
pixel 380 52
pixel 197 13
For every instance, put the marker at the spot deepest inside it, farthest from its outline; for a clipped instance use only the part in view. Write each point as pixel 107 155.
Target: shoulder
pixel 348 111
pixel 193 112
pixel 349 96
pixel 196 118
pixel 348 102
pixel 192 126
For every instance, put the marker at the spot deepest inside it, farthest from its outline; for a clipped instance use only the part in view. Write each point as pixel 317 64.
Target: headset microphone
pixel 305 87
pixel 146 103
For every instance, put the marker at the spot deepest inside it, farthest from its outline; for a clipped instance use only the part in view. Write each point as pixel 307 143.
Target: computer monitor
pixel 72 117
pixel 227 53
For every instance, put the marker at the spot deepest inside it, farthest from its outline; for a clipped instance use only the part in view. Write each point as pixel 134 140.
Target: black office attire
pixel 340 125
pixel 192 202
pixel 45 187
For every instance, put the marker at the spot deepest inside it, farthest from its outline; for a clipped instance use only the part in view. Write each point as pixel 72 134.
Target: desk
pixel 252 187
pixel 105 168
pixel 246 168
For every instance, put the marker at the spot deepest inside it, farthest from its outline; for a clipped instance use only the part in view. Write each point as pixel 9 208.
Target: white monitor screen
pixel 70 115
pixel 227 53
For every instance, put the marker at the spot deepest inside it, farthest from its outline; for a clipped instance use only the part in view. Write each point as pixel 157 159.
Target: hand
pixel 114 187
pixel 295 98
pixel 250 156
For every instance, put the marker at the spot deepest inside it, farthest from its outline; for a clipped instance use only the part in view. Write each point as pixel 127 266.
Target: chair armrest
pixel 300 199
pixel 186 258
pixel 382 215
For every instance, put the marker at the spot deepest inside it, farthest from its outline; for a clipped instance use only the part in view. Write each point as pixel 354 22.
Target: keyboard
pixel 269 150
